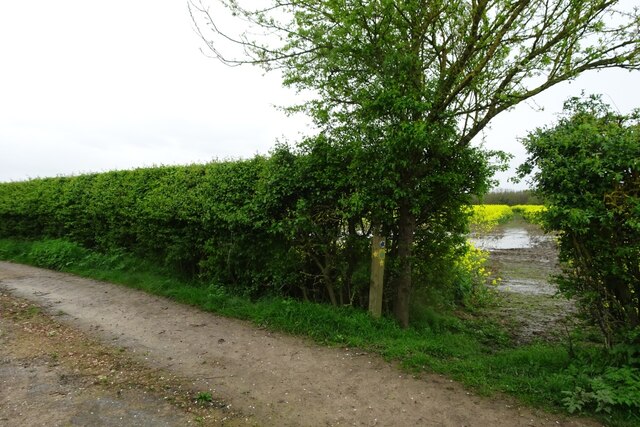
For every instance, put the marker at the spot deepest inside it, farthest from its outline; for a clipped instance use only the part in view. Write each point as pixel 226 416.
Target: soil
pixel 529 303
pixel 80 352
pixel 54 375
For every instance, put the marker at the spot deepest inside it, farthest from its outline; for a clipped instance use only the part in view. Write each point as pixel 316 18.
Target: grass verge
pixel 473 350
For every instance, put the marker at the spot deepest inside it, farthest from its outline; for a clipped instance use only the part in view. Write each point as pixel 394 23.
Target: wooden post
pixel 378 251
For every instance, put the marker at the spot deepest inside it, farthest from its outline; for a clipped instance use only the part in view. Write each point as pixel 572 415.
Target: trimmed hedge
pixel 201 219
pixel 294 224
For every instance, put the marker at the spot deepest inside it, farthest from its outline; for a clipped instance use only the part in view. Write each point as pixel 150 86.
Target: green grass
pixel 474 351
pixel 204 397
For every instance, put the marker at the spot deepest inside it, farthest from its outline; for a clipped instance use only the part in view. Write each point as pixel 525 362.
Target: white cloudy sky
pixel 93 86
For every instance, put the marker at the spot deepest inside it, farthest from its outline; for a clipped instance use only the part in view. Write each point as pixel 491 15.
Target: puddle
pixel 508 238
pixel 525 259
pixel 521 255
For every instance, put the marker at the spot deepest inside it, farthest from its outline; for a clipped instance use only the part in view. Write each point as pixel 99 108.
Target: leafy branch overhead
pixel 473 59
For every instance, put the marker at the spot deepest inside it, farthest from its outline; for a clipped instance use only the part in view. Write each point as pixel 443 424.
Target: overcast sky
pixel 90 86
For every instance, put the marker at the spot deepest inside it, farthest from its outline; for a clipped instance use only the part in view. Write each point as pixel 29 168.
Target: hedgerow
pixel 295 224
pixel 246 224
pixel 202 220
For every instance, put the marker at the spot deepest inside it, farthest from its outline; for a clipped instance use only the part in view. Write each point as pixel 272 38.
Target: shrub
pixel 588 170
pixel 57 254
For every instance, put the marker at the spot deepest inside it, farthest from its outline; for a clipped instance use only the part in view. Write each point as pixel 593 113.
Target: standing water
pixel 521 255
pixel 508 238
pixel 525 259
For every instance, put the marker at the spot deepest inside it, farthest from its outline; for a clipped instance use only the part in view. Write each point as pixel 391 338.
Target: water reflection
pixel 507 238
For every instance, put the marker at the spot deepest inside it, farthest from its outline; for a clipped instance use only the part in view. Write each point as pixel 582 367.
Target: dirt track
pixel 269 379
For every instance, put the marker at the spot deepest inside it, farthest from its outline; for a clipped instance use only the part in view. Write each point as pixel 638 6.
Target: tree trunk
pixel 327 280
pixel 406 229
pixel 328 283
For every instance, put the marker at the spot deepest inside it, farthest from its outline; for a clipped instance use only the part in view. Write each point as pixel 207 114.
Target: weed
pixel 57 254
pixel 204 397
pixel 30 312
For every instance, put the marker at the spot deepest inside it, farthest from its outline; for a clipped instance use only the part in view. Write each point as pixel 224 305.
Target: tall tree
pixel 414 81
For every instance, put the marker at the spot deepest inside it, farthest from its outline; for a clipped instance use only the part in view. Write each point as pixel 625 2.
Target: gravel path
pixel 274 379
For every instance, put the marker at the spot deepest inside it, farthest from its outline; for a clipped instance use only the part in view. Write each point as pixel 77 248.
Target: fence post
pixel 378 251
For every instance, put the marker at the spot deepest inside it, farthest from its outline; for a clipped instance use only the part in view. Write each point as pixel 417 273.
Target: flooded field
pixel 525 259
pixel 519 236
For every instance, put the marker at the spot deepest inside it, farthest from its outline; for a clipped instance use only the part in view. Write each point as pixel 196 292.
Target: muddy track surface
pixel 261 378
pixel 529 304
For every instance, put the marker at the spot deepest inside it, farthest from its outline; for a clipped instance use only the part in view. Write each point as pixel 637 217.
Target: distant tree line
pixel 508 197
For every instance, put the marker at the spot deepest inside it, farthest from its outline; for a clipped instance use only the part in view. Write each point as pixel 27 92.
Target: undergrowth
pixel 580 378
